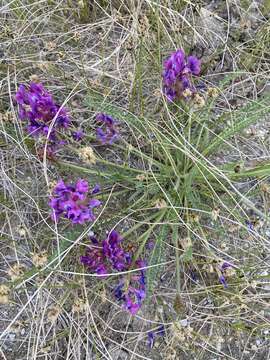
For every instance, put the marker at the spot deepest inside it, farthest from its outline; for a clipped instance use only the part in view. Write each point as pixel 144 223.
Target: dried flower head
pixel 245 23
pixel 187 93
pixel 53 313
pixel 143 25
pixel 185 242
pixel 212 92
pixel 215 213
pixel 87 155
pixel 43 65
pixel 199 101
pixel 194 217
pixel 34 78
pixel 160 204
pixel 40 259
pixel 6 117
pixel 130 43
pixel 21 231
pixel 16 271
pixel 265 188
pixel 157 93
pixel 4 294
pixel 79 306
pixel 141 177
pixel 170 353
pixel 50 45
pixel 17 327
pixel 51 186
pixel 182 333
pixel 77 36
pixel 179 305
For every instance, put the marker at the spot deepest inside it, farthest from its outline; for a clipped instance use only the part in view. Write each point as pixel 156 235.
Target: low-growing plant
pixel 168 182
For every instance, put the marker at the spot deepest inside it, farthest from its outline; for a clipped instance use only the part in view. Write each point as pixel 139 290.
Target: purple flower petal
pixel 150 341
pixel 78 135
pixel 194 65
pixel 96 189
pixel 82 186
pixel 108 132
pixel 94 203
pixel 222 280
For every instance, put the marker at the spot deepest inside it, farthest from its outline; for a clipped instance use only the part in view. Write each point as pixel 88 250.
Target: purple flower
pixel 152 335
pixel 223 281
pixel 114 253
pixel 118 291
pixel 96 189
pixel 250 225
pixel 107 133
pixel 222 270
pixel 93 260
pixel 81 188
pixel 225 265
pixel 177 74
pixel 133 295
pixel 37 107
pixel 72 202
pixel 107 255
pixel 78 135
pixel 194 65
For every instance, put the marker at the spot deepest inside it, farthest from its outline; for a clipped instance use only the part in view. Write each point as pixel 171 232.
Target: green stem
pixel 177 258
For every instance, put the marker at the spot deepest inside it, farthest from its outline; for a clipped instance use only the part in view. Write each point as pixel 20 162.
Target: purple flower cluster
pixel 107 256
pixel 133 293
pixel 107 133
pixel 222 269
pixel 37 106
pixel 72 202
pixel 160 331
pixel 177 74
pixel 78 135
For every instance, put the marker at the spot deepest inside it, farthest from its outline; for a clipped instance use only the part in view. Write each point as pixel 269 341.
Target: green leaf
pixel 242 119
pixel 157 256
pixel 188 254
pixel 266 7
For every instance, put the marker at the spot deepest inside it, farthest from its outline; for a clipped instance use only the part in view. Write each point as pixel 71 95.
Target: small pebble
pixel 11 336
pixel 184 322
